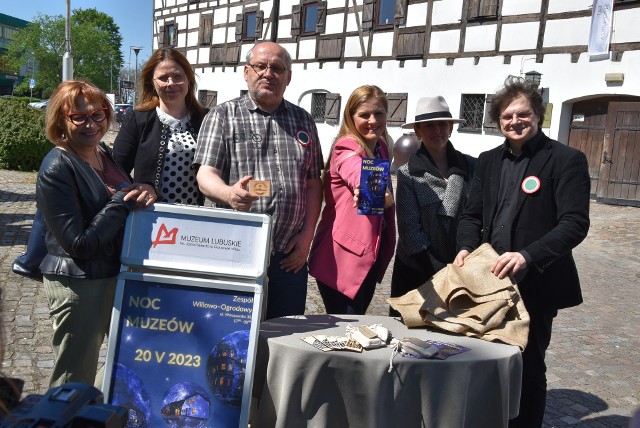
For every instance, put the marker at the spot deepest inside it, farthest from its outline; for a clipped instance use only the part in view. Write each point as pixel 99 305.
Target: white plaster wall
pixel 284 26
pixel 220 16
pixel 563 81
pixel 447 12
pixel 557 6
pixel 181 20
pixel 333 24
pixel 480 38
pixel 416 15
pixel 307 49
pixel 519 36
pixel 382 44
pixel 567 32
pixel 516 7
pixel 444 41
pixel 331 4
pixel 194 20
pixel 218 36
pixel 286 6
pixel 352 47
pixel 352 24
pixel 203 54
pixel 192 56
pixel 626 26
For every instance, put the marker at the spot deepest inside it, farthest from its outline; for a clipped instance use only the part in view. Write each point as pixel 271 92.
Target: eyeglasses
pixel 164 80
pixel 260 69
pixel 79 119
pixel 521 115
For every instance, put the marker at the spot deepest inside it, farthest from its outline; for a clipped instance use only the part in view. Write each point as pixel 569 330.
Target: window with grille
pixel 472 111
pixel 318 103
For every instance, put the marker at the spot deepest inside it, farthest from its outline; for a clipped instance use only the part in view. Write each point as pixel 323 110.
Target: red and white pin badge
pixel 530 184
pixel 303 138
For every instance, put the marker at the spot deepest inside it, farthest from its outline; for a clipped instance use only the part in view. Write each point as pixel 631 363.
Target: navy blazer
pixel 548 223
pixel 141 142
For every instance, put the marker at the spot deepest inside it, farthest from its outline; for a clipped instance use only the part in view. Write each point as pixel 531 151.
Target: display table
pixel 298 385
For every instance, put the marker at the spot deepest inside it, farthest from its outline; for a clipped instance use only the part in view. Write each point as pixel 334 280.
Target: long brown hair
pixel 348 127
pixel 149 99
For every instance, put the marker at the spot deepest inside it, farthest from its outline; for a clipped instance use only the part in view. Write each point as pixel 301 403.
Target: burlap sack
pixel 468 300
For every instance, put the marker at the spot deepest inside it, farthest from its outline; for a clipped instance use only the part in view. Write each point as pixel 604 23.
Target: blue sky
pixel 134 17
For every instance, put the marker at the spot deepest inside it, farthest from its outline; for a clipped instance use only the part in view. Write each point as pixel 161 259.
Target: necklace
pixel 99 170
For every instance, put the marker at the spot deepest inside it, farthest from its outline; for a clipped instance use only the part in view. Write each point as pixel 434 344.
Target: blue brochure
pixel 374 177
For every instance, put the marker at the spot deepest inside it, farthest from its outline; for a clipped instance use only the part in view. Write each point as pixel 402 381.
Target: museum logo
pixel 165 236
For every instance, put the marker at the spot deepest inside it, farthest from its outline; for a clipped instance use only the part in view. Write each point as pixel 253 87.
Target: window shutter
pixel 488 8
pixel 332 109
pixel 397 114
pixel 487 123
pixel 295 20
pixel 239 22
pixel 400 17
pixel 473 9
pixel 322 17
pixel 161 37
pixel 232 55
pixel 206 23
pixel 367 14
pixel 259 21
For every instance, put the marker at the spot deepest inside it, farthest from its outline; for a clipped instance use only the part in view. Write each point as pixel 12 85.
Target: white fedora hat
pixel 431 109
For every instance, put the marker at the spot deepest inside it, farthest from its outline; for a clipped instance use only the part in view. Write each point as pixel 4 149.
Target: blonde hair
pixel 64 100
pixel 348 127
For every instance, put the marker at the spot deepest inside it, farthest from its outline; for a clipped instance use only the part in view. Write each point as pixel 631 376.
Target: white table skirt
pixel 297 385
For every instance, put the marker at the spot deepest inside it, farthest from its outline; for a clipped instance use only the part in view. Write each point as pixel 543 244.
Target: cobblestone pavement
pixel 594 357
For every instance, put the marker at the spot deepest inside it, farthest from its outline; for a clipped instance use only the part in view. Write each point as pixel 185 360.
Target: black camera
pixel 72 405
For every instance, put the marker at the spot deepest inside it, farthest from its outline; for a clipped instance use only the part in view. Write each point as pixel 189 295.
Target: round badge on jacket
pixel 530 184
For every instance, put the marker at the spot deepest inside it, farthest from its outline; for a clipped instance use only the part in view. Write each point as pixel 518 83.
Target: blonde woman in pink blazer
pixel 350 252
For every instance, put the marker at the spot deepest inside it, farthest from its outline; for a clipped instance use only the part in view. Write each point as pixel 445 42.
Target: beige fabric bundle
pixel 468 300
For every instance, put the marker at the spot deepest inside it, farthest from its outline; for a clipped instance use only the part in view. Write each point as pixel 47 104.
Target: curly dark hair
pixel 514 87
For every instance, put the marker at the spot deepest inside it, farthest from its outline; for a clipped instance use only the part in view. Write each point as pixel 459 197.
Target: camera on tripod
pixel 72 405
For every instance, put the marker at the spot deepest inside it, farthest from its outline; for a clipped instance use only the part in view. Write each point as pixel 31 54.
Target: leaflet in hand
pixel 374 177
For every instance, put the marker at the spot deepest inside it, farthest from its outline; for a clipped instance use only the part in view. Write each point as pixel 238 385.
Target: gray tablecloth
pixel 297 385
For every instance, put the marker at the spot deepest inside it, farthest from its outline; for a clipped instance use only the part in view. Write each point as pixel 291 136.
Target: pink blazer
pixel 346 244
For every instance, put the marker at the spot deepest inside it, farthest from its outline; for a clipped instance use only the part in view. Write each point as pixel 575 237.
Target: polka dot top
pixel 178 183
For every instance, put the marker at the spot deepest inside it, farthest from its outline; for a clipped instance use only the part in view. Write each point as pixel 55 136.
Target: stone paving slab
pixel 593 360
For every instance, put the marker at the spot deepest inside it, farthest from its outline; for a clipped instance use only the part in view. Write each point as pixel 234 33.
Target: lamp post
pixel 67 58
pixel 136 50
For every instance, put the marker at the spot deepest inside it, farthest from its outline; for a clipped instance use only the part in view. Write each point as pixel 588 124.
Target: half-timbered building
pixel 461 49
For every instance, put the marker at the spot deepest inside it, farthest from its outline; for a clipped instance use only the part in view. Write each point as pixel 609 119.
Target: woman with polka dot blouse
pixel 158 137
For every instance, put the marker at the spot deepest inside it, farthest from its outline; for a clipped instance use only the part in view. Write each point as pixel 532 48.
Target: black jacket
pixel 84 222
pixel 548 223
pixel 141 143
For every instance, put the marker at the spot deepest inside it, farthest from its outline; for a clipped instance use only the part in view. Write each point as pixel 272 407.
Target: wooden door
pixel 588 122
pixel 619 178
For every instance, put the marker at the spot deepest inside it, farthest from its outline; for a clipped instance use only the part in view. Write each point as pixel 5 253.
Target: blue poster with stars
pixel 182 350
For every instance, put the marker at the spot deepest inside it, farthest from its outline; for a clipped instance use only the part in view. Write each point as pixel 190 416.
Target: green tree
pixel 95 47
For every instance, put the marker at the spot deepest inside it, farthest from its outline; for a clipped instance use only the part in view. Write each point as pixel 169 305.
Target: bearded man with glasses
pixel 261 153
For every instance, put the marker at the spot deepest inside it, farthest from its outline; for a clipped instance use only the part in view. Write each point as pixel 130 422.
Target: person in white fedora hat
pixel 431 191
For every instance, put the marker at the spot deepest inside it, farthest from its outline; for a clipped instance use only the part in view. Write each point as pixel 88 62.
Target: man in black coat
pixel 529 198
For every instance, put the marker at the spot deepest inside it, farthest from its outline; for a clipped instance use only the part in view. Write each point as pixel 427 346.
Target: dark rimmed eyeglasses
pixel 260 69
pixel 79 118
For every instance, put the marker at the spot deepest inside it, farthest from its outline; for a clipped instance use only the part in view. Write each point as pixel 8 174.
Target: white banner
pixel 601 22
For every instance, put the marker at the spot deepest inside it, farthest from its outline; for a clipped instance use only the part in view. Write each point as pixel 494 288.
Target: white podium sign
pixel 198 240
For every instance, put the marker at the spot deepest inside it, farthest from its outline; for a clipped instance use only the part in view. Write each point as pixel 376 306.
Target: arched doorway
pixel 607 130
